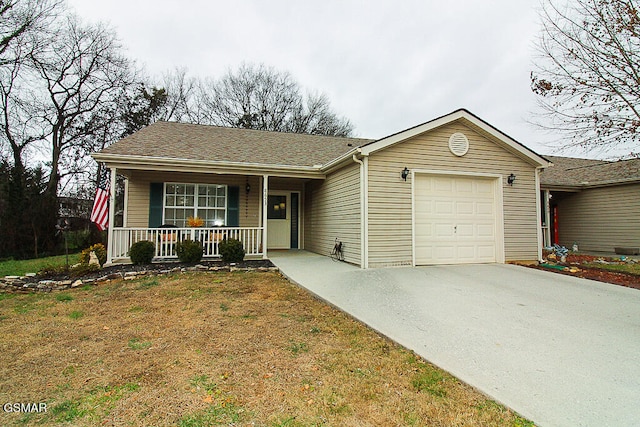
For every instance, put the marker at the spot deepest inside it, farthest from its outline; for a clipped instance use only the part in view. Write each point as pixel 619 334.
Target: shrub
pixel 231 250
pixel 189 251
pixel 83 269
pixel 54 270
pixel 99 249
pixel 142 252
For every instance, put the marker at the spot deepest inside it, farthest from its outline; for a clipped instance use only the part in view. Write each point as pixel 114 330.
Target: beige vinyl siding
pixel 601 219
pixel 138 194
pixel 390 220
pixel 332 209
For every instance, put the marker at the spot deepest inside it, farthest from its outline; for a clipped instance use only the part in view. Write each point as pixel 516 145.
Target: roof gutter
pixel 340 161
pixel 207 166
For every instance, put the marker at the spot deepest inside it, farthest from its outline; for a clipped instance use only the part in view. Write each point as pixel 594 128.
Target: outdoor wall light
pixel 248 187
pixel 511 179
pixel 405 173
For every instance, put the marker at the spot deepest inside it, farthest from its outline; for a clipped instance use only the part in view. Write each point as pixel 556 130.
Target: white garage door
pixel 455 219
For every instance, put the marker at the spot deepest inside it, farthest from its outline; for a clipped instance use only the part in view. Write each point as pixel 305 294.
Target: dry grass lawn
pixel 206 349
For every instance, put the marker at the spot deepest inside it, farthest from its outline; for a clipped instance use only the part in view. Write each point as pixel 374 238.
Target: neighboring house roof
pixel 223 144
pixel 575 173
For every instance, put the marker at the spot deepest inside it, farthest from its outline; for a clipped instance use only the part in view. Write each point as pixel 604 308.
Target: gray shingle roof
pixel 574 172
pixel 213 143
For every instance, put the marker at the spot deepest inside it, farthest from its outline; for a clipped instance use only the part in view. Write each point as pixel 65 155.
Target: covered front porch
pixel 262 211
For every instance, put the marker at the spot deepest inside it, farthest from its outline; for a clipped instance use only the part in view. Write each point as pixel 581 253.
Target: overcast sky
pixel 385 65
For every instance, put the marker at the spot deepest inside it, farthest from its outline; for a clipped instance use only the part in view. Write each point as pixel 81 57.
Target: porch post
pixel 265 197
pixel 112 210
pixel 547 218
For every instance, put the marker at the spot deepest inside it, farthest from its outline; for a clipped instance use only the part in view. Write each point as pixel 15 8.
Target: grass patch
pixel 430 381
pixel 203 382
pixel 64 297
pixel 219 414
pixel 136 344
pixel 76 314
pixel 298 347
pixel 297 362
pixel 21 267
pixel 619 268
pixel 149 283
pixel 67 411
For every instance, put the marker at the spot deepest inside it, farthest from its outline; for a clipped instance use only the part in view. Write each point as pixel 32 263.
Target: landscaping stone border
pixel 29 283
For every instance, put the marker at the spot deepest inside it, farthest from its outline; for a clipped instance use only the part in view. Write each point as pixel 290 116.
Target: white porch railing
pixel 165 240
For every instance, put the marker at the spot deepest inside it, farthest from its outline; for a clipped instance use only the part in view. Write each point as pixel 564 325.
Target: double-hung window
pixel 206 201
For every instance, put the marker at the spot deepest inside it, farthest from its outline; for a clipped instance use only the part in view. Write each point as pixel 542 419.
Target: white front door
pixel 279 220
pixel 455 219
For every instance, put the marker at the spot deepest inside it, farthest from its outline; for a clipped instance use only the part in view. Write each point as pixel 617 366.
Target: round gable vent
pixel 458 144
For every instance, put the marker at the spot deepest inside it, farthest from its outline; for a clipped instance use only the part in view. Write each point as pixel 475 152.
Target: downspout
pixel 364 211
pixel 538 211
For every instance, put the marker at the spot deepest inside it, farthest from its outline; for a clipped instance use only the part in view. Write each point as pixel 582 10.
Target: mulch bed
pixel 593 273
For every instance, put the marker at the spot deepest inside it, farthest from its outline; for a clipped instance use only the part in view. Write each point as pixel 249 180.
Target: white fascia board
pixel 336 163
pixel 383 143
pixel 207 166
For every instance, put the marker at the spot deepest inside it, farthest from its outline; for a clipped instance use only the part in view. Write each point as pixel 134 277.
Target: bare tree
pixel 258 97
pixel 83 75
pixel 588 73
pixel 19 20
pixel 24 26
pixel 180 91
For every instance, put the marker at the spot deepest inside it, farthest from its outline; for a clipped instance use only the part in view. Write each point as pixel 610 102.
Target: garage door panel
pixel 444 207
pixel 465 231
pixel 487 252
pixel 445 254
pixel 486 231
pixel 464 186
pixel 465 208
pixel 455 219
pixel 485 208
pixel 484 187
pixel 443 230
pixel 441 185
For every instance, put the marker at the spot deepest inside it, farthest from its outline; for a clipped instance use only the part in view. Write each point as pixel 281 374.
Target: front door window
pixel 277 207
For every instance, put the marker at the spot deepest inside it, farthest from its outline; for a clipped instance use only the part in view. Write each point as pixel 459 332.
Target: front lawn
pixel 21 267
pixel 204 349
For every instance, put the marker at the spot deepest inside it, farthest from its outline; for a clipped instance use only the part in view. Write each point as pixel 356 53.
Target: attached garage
pixel 454 190
pixel 457 219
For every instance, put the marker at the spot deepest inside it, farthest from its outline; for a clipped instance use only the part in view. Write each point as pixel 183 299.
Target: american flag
pixel 100 211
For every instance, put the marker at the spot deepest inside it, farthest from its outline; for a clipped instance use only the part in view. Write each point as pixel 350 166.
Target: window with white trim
pixel 205 201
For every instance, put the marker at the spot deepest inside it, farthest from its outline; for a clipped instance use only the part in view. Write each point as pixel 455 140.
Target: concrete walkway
pixel 561 351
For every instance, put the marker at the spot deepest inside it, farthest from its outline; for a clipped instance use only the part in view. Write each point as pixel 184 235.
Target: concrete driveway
pixel 561 351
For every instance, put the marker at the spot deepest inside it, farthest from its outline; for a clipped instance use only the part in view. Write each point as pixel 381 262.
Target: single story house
pixel 594 204
pixel 452 190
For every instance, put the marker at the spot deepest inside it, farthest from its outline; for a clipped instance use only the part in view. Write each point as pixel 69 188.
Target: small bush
pixel 53 270
pixel 99 249
pixel 142 252
pixel 189 251
pixel 231 250
pixel 83 269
